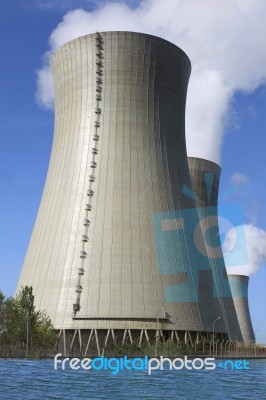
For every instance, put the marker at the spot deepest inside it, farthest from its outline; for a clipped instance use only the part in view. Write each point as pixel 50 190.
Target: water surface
pixel 34 380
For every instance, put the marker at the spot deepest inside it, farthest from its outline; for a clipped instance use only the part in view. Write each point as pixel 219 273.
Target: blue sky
pixel 244 150
pixel 26 132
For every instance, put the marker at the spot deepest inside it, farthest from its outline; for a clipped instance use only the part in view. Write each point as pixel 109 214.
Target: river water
pixel 30 379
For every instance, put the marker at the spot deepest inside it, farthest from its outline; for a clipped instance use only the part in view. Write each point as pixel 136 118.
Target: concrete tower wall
pixel 239 288
pixel 205 177
pixel 108 250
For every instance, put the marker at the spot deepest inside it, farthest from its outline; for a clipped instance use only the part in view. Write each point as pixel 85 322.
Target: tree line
pixel 24 332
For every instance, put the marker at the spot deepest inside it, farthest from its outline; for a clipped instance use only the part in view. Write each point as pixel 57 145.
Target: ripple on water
pixel 34 380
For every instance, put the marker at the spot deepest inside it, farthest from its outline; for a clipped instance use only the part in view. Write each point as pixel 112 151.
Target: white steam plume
pixel 225 41
pixel 255 243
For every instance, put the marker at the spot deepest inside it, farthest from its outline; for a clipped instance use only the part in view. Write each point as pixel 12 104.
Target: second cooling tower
pixel 205 178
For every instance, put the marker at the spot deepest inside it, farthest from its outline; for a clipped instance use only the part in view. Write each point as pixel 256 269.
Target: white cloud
pixel 239 178
pixel 255 243
pixel 225 41
pixel 45 90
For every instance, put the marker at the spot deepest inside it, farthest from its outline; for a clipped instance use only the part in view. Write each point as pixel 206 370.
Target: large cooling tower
pixel 239 288
pixel 112 251
pixel 205 177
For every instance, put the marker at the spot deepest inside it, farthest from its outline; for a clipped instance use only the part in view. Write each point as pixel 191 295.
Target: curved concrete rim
pixel 131 32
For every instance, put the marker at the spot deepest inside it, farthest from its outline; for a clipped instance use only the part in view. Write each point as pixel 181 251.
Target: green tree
pixel 27 317
pixel 23 330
